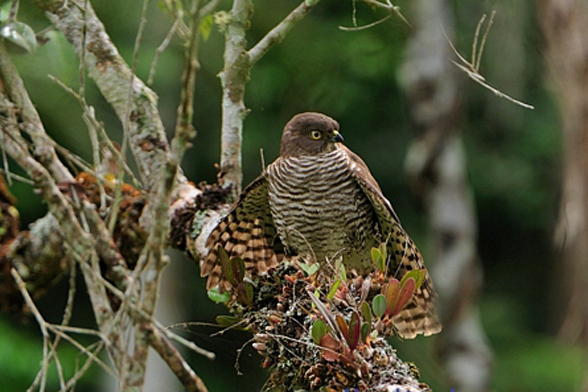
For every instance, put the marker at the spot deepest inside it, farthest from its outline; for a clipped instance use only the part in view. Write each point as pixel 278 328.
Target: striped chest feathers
pixel 319 209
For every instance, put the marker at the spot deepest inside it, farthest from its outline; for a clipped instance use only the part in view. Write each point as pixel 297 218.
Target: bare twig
pixel 92 357
pixel 211 6
pixel 152 260
pixel 42 325
pixel 184 129
pixel 472 68
pixel 22 179
pixel 106 67
pixel 481 50
pixel 17 94
pixel 388 7
pixel 365 27
pixel 126 125
pixel 5 165
pixel 176 363
pixel 145 318
pixel 45 327
pixel 476 77
pixel 475 42
pixel 161 48
pixel 278 33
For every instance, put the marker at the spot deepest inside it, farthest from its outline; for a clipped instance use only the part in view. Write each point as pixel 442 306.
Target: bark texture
pixel 565 28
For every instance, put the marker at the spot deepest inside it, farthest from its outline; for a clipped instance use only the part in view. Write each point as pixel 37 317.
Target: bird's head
pixel 310 134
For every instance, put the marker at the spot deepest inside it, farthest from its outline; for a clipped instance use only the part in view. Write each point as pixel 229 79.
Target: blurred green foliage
pixel 21 355
pixel 514 157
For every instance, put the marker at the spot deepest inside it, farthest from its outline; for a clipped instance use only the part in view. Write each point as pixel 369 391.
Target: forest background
pixel 515 160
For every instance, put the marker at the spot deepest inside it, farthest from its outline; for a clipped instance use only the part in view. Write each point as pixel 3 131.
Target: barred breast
pixel 320 211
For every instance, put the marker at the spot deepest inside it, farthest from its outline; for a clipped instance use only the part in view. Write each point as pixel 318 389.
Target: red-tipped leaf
pixel 392 292
pixel 406 293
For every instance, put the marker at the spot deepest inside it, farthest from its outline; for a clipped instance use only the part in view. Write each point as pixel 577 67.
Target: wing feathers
pixel 419 315
pixel 247 232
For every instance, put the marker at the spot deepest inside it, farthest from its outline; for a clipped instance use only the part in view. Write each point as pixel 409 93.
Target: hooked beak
pixel 337 137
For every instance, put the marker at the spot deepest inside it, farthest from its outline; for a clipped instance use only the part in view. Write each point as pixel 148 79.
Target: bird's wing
pixel 248 232
pixel 418 317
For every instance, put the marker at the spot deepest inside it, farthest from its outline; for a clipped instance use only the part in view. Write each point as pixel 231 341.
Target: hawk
pixel 319 201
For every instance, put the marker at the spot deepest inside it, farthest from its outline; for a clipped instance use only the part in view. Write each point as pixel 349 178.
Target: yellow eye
pixel 316 135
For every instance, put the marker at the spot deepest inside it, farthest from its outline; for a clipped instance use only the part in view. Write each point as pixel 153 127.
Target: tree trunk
pixel 565 28
pixel 437 166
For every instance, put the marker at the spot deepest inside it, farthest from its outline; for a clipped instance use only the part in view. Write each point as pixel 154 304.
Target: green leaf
pixel 238 269
pixel 418 275
pixel 384 252
pixel 366 313
pixel 340 268
pixel 20 36
pixel 319 330
pixel 228 321
pixel 333 290
pixel 206 26
pixel 376 256
pixel 379 305
pixel 245 293
pixel 379 257
pixel 343 273
pixel 217 296
pixel 226 265
pixel 309 269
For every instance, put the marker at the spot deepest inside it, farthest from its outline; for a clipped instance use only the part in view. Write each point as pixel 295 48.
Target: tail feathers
pixel 413 321
pixel 419 317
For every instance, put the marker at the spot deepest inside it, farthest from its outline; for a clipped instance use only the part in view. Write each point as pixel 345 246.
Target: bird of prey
pixel 319 201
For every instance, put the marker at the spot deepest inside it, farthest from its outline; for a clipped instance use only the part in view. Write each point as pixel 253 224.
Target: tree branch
pixel 278 33
pixel 234 78
pixel 388 6
pixel 80 241
pixel 17 94
pixel 113 77
pixel 174 360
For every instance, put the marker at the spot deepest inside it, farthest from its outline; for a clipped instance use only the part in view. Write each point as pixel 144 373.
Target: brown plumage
pixel 319 201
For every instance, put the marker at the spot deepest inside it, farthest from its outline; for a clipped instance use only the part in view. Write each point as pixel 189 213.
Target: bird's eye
pixel 316 135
